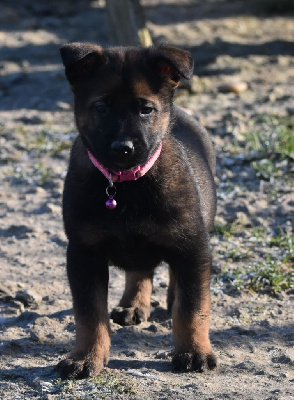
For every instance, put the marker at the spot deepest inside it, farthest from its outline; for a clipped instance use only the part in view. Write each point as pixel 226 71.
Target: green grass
pixel 227 229
pixel 274 138
pixel 43 173
pixel 38 175
pixel 274 274
pixel 284 240
pixel 42 142
pixel 270 275
pixel 115 384
pixel 266 169
pixel 224 229
pixel 109 384
pixel 270 145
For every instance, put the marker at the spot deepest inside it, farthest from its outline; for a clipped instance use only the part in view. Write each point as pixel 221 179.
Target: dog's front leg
pixel 88 277
pixel 190 314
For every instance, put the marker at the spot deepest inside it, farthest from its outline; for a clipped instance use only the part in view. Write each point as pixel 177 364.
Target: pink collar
pixel 130 175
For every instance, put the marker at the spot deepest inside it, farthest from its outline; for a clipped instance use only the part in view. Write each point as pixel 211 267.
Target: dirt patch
pixel 252 284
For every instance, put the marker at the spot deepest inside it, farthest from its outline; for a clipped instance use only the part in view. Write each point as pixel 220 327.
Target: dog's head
pixel 123 98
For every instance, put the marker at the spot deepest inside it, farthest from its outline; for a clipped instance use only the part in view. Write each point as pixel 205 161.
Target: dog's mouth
pixel 126 172
pixel 121 165
pixel 125 155
pixel 127 162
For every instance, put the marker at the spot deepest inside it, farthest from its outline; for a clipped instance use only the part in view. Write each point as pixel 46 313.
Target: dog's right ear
pixel 80 59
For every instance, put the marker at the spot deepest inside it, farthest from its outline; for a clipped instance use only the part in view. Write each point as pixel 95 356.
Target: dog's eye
pixel 145 110
pixel 101 108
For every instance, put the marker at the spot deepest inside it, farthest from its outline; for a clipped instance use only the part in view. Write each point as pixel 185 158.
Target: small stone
pixel 63 105
pixel 28 298
pixel 155 303
pixel 54 209
pixel 59 241
pixel 129 353
pixel 283 359
pixel 260 372
pixel 34 336
pixel 234 312
pixel 247 365
pixel 152 328
pixel 234 87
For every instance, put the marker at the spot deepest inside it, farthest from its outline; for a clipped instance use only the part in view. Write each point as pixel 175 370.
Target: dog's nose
pixel 122 148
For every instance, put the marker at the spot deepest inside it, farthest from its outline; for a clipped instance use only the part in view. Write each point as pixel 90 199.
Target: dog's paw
pixel 71 369
pixel 185 362
pixel 130 316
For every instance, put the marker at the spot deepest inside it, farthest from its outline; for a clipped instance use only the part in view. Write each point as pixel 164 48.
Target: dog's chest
pixel 131 244
pixel 132 233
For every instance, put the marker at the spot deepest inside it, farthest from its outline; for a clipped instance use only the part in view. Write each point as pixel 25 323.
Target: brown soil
pixel 252 332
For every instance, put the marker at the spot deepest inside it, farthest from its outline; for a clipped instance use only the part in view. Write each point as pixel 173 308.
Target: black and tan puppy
pixel 139 190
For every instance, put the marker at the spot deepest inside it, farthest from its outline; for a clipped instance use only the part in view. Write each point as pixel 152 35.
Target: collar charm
pixel 121 176
pixel 111 203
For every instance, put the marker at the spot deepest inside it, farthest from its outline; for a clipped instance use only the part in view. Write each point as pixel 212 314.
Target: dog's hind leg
pixel 134 306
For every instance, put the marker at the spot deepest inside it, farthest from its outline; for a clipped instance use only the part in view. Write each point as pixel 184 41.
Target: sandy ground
pixel 252 331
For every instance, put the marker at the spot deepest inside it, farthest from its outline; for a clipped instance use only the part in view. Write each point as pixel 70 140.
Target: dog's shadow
pixel 159 314
pixel 130 344
pixel 136 365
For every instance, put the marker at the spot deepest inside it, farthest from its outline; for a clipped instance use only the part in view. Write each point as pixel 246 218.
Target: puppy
pixel 139 190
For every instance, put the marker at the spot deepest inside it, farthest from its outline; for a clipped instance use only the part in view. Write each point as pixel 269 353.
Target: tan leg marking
pixel 93 337
pixel 138 290
pixel 191 330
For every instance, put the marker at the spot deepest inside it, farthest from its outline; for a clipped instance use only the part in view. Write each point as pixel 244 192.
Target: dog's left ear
pixel 172 62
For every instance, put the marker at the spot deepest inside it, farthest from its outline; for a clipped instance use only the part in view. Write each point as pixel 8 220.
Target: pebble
pixel 28 298
pixel 55 209
pixel 162 355
pixel 129 353
pixel 247 365
pixel 234 87
pixel 152 328
pixel 63 105
pixel 155 303
pixel 283 359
